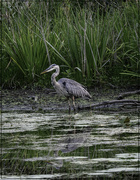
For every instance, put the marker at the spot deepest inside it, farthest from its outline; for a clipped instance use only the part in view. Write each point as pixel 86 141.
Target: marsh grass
pixel 90 45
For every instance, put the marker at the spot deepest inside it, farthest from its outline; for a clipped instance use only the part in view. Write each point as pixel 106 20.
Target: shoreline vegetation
pixel 95 43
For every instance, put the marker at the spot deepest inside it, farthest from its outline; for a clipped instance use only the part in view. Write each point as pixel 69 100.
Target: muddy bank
pixel 47 100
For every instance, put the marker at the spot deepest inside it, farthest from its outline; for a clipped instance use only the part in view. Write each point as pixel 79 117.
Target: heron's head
pixel 50 68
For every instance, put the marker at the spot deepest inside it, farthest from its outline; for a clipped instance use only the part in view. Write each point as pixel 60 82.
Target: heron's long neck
pixel 53 80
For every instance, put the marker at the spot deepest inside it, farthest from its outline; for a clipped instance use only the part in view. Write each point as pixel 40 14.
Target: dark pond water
pixel 62 146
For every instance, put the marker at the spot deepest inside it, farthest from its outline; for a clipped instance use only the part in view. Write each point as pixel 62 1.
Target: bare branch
pixel 107 103
pixel 121 96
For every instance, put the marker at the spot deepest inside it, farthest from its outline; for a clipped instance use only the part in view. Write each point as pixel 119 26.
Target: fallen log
pixel 106 104
pixel 126 94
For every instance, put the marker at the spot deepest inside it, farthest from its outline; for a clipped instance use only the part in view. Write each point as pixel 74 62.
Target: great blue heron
pixel 67 87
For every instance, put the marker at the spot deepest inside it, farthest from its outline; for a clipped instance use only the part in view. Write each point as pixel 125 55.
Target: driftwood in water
pixel 107 104
pixel 126 94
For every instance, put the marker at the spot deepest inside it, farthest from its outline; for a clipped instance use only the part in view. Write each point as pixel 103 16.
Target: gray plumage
pixel 67 87
pixel 73 88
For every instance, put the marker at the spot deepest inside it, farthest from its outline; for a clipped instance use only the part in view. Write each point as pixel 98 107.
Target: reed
pixel 91 45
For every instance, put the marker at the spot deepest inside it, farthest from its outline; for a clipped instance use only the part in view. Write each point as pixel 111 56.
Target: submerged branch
pixel 106 104
pixel 121 96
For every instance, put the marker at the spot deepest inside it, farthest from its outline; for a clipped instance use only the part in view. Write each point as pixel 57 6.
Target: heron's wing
pixel 74 88
pixel 70 81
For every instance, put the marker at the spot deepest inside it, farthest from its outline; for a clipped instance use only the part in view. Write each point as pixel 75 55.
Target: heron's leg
pixel 74 107
pixel 69 104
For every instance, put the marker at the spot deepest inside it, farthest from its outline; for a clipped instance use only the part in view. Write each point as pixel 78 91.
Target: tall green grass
pixel 90 45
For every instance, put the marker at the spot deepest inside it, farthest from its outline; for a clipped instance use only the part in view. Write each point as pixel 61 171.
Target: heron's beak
pixel 44 71
pixel 47 70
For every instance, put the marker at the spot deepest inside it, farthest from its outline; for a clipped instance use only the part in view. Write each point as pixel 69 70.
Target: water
pixel 62 146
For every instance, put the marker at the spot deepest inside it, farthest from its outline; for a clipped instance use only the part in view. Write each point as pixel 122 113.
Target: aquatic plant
pixel 91 43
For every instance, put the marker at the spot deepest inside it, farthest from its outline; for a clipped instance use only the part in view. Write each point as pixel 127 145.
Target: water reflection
pixel 55 145
pixel 71 144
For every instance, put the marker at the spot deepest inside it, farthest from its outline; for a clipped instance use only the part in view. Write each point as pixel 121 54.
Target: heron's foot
pixel 69 110
pixel 75 111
